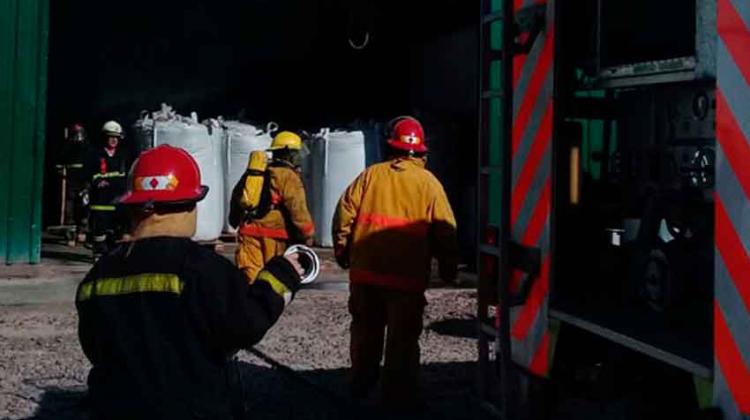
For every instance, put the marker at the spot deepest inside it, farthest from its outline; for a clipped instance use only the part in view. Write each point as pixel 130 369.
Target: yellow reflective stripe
pixel 139 283
pixel 110 175
pixel 277 286
pixel 102 208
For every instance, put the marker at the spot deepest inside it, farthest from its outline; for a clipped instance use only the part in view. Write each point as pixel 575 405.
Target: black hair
pixel 393 153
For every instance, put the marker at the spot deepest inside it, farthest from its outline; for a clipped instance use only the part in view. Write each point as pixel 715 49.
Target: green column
pixel 23 83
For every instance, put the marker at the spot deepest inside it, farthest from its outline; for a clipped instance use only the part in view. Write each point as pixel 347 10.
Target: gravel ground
pixel 43 371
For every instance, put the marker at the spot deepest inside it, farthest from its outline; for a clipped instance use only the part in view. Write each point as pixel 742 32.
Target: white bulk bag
pixel 143 129
pixel 204 143
pixel 336 160
pixel 240 140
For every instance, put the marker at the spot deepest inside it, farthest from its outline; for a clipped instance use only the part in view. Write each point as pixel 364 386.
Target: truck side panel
pixel 732 220
pixel 531 195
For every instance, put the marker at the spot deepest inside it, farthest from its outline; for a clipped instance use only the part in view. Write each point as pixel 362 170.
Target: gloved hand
pixel 83 196
pixel 294 260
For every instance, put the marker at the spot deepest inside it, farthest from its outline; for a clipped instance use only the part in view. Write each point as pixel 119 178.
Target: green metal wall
pixel 24 28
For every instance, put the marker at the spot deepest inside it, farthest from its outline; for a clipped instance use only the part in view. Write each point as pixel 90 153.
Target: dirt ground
pixel 43 371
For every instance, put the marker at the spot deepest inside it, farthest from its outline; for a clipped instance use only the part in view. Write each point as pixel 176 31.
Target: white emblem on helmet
pixel 156 183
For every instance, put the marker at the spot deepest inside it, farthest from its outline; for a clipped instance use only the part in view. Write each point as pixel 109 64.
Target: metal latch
pixel 528 260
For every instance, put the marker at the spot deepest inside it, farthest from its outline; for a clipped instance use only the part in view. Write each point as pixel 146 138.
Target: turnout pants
pixel 106 227
pixel 394 318
pixel 254 252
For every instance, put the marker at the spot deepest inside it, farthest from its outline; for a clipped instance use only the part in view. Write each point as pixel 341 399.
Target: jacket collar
pixel 407 162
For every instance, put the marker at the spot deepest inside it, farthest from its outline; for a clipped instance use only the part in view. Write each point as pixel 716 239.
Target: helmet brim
pixel 135 198
pixel 416 148
pixel 284 147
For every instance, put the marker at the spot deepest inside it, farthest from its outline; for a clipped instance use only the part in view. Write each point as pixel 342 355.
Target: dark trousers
pixel 106 227
pixel 394 318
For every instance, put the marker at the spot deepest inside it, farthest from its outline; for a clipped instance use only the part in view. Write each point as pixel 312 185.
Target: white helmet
pixel 113 129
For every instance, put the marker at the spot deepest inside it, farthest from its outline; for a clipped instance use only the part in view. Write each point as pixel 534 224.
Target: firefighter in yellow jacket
pixel 389 224
pixel 286 219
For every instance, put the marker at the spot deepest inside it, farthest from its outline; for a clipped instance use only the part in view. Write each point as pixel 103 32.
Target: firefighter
pixel 106 168
pixel 71 166
pixel 160 316
pixel 389 224
pixel 288 221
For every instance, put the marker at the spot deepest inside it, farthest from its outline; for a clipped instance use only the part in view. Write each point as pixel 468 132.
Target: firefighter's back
pixel 392 233
pixel 144 325
pixel 274 223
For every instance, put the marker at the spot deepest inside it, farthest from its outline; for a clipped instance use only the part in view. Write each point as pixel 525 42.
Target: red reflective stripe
pixel 308 229
pixel 732 252
pixel 539 289
pixel 263 232
pixel 539 146
pixel 518 62
pixel 395 281
pixel 735 35
pixel 532 92
pixel 541 285
pixel 539 217
pixel 380 220
pixel 730 362
pixel 733 142
pixel 540 362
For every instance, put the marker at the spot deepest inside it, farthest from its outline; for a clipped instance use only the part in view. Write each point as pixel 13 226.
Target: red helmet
pixel 407 134
pixel 164 174
pixel 77 133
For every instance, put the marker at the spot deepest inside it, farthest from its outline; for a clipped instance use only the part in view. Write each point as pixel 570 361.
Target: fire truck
pixel 614 177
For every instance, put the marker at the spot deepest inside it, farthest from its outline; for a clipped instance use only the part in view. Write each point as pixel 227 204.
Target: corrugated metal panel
pixel 23 82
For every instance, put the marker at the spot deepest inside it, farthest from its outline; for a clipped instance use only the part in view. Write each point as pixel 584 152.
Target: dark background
pixel 287 61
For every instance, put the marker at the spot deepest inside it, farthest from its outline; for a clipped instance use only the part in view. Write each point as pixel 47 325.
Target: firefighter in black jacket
pixel 160 317
pixel 106 168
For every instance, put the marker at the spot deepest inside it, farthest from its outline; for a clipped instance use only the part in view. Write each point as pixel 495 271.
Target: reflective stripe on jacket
pixel 290 205
pixel 391 221
pixel 158 320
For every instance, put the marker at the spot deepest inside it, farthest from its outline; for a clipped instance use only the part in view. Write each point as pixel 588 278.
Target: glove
pixel 294 259
pixel 83 195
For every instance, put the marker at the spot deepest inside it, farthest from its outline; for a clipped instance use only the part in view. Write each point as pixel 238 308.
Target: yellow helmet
pixel 286 140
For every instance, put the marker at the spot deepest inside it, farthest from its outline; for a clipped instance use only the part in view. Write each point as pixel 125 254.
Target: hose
pixel 309 261
pixel 291 374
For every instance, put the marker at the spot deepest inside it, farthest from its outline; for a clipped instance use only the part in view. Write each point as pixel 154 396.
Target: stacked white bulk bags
pixel 240 140
pixel 204 143
pixel 337 157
